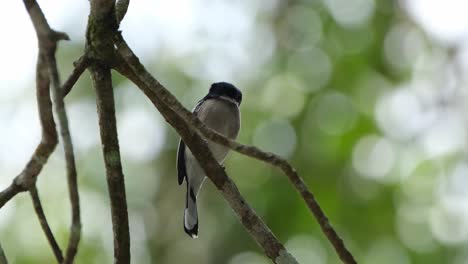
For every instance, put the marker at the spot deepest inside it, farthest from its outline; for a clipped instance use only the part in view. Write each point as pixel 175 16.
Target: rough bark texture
pixel 100 48
pixel 110 148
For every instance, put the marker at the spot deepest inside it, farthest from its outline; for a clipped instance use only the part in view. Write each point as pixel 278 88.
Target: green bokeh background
pixel 314 100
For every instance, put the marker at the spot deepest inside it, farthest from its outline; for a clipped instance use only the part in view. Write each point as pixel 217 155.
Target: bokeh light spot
pixel 307 249
pixel 351 13
pixel 374 157
pixel 403 46
pixel 399 114
pixel 386 251
pixel 313 66
pixel 83 120
pixel 284 95
pixel 449 223
pixel 277 136
pixel 335 113
pixel 294 35
pixel 141 134
pixel 445 20
pixel 446 135
pixel 420 184
pixel 414 232
pixel 249 258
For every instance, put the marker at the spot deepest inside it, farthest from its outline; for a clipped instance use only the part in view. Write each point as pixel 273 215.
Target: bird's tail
pixel 191 213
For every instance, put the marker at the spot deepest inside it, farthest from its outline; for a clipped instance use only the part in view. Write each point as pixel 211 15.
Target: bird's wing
pixel 199 104
pixel 181 168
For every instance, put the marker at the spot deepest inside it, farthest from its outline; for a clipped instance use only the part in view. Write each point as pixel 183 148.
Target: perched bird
pixel 219 110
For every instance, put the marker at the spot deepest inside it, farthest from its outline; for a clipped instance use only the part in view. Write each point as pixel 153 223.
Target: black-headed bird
pixel 219 110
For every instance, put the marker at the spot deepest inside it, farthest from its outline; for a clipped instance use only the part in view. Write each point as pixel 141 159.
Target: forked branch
pixel 161 93
pixel 251 221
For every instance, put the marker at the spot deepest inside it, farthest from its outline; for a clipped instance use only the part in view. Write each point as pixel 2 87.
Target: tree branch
pixel 251 221
pixel 45 225
pixel 75 228
pixel 80 66
pixel 47 39
pixel 282 164
pixel 99 45
pixel 100 8
pixel 121 9
pixel 27 178
pixel 110 146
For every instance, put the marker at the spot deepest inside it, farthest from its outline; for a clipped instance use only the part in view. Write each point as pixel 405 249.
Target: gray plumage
pixel 218 110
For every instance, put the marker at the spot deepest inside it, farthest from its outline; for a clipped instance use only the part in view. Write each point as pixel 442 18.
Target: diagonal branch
pixel 45 225
pixel 121 8
pixel 80 66
pixel 160 92
pixel 251 221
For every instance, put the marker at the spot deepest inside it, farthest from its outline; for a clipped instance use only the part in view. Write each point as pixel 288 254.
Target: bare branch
pixel 251 221
pixel 80 66
pixel 44 224
pixel 102 82
pixel 101 8
pixel 102 25
pixel 121 9
pixel 27 178
pixel 47 46
pixel 298 183
pixel 45 34
pixel 75 229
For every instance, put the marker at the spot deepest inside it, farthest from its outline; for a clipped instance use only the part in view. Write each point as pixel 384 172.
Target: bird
pixel 218 110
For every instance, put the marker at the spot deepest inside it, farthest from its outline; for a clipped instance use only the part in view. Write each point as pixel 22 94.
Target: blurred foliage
pixel 314 75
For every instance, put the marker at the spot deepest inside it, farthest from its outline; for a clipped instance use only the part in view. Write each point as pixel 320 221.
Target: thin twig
pixel 251 151
pixel 47 39
pixel 80 66
pixel 251 221
pixel 75 228
pixel 44 224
